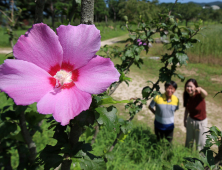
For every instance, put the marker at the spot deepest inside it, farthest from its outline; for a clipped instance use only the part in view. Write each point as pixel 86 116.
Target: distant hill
pixel 218 3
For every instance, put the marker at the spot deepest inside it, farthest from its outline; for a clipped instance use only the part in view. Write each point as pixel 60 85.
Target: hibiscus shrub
pixel 60 74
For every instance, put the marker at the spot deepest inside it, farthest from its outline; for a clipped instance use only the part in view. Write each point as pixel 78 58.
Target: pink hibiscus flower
pixel 59 72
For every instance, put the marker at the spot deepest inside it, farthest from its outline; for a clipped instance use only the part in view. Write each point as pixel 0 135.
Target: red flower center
pixel 63 77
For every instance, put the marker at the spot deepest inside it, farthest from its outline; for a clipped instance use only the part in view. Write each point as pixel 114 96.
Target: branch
pixel 130 119
pixel 95 134
pixel 27 138
pixel 5 15
pixel 119 82
pixel 173 7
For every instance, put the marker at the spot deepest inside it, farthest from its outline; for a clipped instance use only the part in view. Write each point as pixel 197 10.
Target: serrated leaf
pixel 146 91
pixel 132 36
pixel 129 53
pixel 5 101
pixel 107 116
pixel 182 57
pixel 127 127
pixel 92 164
pixel 214 131
pixel 17 137
pixel 197 165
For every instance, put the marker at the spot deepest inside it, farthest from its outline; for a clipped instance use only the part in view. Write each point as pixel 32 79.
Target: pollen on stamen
pixel 63 79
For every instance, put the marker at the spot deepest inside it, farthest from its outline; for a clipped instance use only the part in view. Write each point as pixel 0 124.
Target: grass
pixel 106 31
pixel 208 50
pixel 140 150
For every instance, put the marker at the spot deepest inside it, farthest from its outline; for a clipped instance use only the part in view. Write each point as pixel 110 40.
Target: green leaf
pixel 5 101
pixel 107 116
pixel 176 38
pixel 33 117
pixel 129 53
pixel 146 91
pixel 17 137
pixel 110 100
pixel 132 36
pixel 92 164
pixel 50 156
pixel 127 127
pixel 123 77
pixel 197 165
pixel 214 131
pixel 188 45
pixel 181 77
pixel 182 57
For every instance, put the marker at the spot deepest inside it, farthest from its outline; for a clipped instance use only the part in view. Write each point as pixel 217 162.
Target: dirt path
pixel 135 88
pixel 108 42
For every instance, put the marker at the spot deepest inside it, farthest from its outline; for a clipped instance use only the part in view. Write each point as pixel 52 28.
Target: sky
pixel 185 1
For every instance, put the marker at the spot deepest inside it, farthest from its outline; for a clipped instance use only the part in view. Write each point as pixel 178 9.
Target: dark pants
pixel 167 134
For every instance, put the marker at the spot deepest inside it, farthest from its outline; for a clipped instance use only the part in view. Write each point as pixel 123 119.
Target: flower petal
pixel 80 43
pixel 97 75
pixel 40 45
pixel 23 81
pixel 64 104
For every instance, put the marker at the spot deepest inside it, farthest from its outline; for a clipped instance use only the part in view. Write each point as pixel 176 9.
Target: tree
pixel 134 9
pixel 100 10
pixel 188 11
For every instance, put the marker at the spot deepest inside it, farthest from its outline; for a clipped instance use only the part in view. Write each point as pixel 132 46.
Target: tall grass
pixel 208 50
pixel 140 150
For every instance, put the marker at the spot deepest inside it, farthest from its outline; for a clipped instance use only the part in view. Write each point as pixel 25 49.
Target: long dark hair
pixel 185 94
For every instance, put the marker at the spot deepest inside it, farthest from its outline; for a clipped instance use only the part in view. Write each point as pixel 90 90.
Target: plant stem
pixel 119 82
pixel 95 134
pixel 27 138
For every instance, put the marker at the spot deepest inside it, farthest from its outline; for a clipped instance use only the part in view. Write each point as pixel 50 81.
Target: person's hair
pixel 185 94
pixel 171 83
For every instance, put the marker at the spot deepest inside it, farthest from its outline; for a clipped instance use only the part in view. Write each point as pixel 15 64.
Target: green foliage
pixel 207 160
pixel 107 117
pixel 140 150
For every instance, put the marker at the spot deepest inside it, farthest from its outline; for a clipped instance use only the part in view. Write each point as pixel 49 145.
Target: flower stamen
pixel 63 77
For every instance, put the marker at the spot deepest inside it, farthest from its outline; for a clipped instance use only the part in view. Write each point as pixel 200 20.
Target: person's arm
pixel 151 107
pixel 152 110
pixel 185 117
pixel 202 92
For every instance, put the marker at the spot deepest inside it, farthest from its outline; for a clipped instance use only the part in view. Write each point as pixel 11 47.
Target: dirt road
pixel 134 90
pixel 108 42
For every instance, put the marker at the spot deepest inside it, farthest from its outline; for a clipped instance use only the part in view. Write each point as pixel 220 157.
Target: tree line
pixel 61 11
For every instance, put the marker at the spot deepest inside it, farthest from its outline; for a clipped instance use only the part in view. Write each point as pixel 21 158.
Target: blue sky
pixel 185 1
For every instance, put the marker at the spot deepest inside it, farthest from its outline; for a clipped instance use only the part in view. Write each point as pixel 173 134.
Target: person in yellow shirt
pixel 163 107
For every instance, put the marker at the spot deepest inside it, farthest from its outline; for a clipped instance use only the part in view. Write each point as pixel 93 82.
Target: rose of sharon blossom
pixel 59 72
